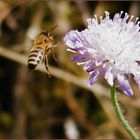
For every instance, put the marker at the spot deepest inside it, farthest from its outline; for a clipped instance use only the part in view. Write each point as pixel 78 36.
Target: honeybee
pixel 43 44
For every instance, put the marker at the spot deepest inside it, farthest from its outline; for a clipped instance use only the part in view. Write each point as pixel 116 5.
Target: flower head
pixel 108 46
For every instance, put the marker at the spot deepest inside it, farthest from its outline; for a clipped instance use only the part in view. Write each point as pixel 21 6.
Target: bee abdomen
pixel 31 66
pixel 35 58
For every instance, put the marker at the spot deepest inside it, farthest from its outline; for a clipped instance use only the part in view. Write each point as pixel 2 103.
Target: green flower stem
pixel 119 114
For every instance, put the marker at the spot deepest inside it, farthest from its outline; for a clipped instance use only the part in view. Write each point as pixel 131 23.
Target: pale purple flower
pixel 108 46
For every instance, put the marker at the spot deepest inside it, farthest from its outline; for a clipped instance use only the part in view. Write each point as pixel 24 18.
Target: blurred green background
pixel 32 105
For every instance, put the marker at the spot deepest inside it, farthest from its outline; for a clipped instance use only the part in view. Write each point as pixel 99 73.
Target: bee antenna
pixel 53 28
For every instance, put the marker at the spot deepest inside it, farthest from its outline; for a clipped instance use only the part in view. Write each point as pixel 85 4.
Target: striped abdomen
pixel 35 57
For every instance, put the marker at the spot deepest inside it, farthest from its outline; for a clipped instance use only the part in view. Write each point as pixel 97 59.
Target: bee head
pixel 48 34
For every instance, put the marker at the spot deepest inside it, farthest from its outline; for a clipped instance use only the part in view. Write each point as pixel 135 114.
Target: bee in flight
pixel 43 44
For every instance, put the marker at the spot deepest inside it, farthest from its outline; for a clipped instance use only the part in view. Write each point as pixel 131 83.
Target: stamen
pixel 131 18
pixel 107 14
pixel 135 22
pixel 96 18
pixel 121 13
pixel 101 17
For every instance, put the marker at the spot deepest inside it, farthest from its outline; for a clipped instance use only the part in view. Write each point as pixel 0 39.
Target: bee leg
pixel 46 66
pixel 52 50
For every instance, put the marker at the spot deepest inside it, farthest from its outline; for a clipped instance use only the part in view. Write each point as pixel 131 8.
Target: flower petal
pixel 104 70
pixel 109 78
pixel 93 78
pixel 79 49
pixel 81 57
pixel 108 74
pixel 89 67
pixel 123 81
pixel 72 40
pixel 98 62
